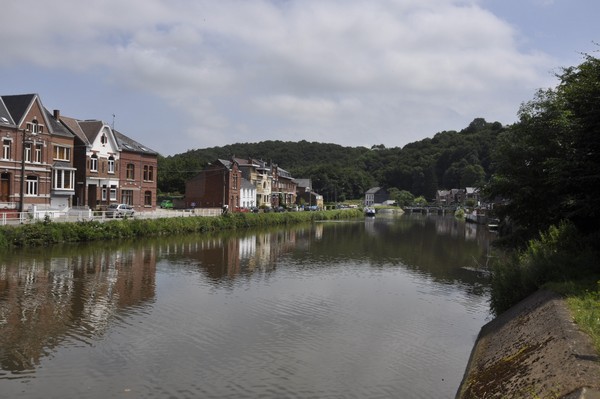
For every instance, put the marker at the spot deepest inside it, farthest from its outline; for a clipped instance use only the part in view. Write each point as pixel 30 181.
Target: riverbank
pixel 533 350
pixel 46 232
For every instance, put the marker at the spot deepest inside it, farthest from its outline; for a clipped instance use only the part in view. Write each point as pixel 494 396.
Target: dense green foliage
pixel 548 168
pixel 548 164
pixel 449 160
pixel 47 233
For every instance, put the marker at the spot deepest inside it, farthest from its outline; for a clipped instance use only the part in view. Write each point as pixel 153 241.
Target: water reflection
pixel 46 298
pixel 78 296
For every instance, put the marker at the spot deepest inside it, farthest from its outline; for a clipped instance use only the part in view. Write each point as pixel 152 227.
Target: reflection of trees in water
pixel 46 298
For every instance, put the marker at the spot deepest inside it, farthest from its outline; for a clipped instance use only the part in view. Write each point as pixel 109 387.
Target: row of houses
pixel 455 196
pixel 50 161
pixel 240 183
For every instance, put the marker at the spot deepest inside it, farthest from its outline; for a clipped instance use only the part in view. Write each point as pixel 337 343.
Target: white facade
pixel 247 194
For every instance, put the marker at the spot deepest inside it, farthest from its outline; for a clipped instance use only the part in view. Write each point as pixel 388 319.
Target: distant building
pixel 217 186
pixel 247 195
pixel 376 196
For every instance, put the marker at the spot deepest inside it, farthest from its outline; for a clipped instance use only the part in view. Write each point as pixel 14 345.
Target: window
pixel 104 192
pixel 113 193
pixel 62 153
pixel 148 173
pixel 127 197
pixel 111 164
pixel 31 185
pixel 94 163
pixel 34 127
pixel 63 179
pixel 130 171
pixel 148 198
pixel 6 148
pixel 27 152
pixel 37 156
pixel 103 139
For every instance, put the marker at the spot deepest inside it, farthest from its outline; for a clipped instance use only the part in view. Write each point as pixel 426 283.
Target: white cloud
pixel 339 71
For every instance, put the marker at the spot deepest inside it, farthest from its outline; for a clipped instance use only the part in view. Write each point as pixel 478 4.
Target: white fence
pixel 82 214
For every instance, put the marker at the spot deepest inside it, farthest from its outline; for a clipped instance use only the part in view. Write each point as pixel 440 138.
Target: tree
pixel 547 164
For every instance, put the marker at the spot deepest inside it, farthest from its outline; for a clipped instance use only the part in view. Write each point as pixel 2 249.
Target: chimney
pixel 57 114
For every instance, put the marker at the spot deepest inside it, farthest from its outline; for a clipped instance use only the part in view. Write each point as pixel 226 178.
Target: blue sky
pixel 187 74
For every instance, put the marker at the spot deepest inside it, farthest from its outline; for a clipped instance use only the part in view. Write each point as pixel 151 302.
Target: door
pixel 4 187
pixel 92 196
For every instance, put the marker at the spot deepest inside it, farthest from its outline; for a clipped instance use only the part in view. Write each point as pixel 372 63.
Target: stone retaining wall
pixel 533 350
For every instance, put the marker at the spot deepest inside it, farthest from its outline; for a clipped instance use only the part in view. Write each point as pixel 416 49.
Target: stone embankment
pixel 533 350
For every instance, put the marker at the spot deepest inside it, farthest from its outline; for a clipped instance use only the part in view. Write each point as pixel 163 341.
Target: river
pixel 379 308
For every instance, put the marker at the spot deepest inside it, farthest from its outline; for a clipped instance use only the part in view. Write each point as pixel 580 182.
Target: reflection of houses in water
pixel 44 300
pixel 220 257
pixel 318 231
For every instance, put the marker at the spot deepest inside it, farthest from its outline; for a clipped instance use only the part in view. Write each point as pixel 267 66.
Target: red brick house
pixel 111 167
pixel 216 186
pixel 36 161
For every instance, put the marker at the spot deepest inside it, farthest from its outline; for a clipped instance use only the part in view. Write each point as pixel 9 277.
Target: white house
pixel 247 194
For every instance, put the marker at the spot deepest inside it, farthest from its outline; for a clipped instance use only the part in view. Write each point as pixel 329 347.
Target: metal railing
pixel 80 215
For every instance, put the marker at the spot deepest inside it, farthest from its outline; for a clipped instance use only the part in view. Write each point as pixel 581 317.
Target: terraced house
pixel 52 162
pixel 36 164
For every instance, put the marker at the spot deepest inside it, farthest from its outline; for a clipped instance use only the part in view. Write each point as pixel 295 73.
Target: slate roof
pixel 373 190
pixel 129 144
pixel 56 127
pixel 5 117
pixel 303 183
pixel 18 104
pixel 90 129
pixel 247 185
pixel 73 125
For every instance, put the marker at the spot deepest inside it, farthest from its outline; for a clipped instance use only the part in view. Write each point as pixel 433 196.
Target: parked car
pixel 119 210
pixel 166 204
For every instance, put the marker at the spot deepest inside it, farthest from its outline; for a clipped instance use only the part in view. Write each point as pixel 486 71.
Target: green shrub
pixel 46 232
pixel 559 255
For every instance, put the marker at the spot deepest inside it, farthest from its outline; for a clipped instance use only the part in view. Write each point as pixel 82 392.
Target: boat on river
pixel 370 212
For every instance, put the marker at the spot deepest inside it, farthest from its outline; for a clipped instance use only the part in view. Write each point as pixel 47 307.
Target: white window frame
pixel 37 152
pixel 113 193
pixel 94 163
pixel 63 179
pixel 31 186
pixel 34 128
pixel 62 153
pixel 111 165
pixel 6 148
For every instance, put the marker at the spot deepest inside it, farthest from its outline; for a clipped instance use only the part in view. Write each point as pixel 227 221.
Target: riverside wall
pixel 533 350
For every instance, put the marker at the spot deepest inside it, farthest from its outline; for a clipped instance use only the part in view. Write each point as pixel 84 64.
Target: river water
pixel 378 308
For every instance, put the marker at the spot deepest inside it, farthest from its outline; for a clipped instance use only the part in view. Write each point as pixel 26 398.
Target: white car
pixel 119 211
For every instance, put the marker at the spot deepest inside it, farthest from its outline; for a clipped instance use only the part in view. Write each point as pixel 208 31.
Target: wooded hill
pixel 448 160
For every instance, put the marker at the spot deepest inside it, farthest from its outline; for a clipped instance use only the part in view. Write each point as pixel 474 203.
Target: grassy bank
pixel 45 233
pixel 561 260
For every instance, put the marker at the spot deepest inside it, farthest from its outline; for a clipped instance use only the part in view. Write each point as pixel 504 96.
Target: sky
pixel 178 75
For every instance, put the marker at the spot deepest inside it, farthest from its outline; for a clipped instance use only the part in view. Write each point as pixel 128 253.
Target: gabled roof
pixel 90 129
pixel 128 144
pixel 303 183
pixel 73 125
pixel 373 190
pixel 18 105
pixel 247 185
pixel 5 116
